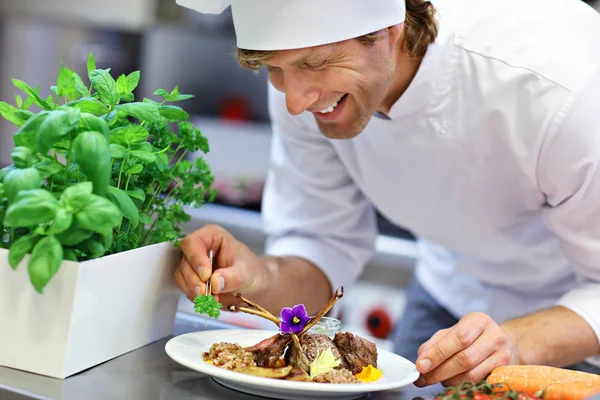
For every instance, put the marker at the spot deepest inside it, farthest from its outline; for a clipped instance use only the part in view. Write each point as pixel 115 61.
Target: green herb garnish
pixel 207 305
pixel 96 172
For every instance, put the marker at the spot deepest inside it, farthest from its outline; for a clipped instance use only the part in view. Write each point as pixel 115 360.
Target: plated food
pixel 296 354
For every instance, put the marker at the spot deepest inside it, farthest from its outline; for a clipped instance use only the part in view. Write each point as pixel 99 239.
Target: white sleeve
pixel 311 206
pixel 569 176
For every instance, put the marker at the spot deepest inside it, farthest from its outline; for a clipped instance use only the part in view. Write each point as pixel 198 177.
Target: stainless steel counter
pixel 147 374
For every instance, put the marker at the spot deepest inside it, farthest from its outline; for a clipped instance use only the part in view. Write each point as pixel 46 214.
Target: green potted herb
pixel 89 215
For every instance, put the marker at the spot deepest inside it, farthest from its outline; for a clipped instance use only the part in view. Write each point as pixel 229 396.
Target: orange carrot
pixel 557 383
pixel 570 391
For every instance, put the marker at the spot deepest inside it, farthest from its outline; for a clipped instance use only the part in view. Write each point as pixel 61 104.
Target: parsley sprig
pixel 207 305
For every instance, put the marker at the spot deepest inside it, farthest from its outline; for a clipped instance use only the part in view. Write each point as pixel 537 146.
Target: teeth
pixel 331 107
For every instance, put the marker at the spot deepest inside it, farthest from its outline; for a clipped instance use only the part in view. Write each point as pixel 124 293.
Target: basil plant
pixel 95 172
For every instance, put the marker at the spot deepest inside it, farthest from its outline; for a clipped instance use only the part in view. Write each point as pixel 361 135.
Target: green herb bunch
pixel 96 172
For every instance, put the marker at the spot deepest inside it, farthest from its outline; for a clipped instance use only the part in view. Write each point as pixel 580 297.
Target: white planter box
pixel 90 312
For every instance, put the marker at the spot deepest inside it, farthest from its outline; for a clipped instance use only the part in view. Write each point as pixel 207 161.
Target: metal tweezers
pixel 208 285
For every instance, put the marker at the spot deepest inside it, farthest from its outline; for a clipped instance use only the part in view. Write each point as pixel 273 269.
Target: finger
pixel 432 341
pixel 462 362
pixel 481 371
pixel 192 281
pixel 182 285
pixel 196 248
pixel 459 337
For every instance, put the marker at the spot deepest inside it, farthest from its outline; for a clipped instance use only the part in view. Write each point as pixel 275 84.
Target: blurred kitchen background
pixel 175 46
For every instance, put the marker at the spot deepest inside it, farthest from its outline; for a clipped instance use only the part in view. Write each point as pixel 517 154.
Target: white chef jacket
pixel 491 158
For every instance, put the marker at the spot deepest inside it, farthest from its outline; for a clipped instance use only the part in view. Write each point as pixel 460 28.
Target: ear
pixel 395 34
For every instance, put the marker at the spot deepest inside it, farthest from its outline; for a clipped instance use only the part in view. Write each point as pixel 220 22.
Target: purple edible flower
pixel 294 319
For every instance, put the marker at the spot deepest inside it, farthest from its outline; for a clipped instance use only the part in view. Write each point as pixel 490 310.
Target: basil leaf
pixel 127 206
pixel 161 92
pixel 62 221
pixel 173 113
pixel 180 97
pixel 127 97
pixel 9 113
pixel 89 105
pixel 90 122
pixel 80 87
pixel 137 194
pixel 48 168
pixel 129 135
pixel 69 84
pixel 91 152
pixel 106 86
pixel 98 215
pixel 133 79
pixel 145 219
pixel 69 255
pixel 175 95
pixel 28 102
pixel 4 171
pixel 45 260
pixel 31 208
pixel 32 93
pixel 106 238
pixel 143 156
pixel 123 84
pixel 56 125
pixel 26 135
pixel 145 112
pixel 162 161
pixel 73 236
pixel 117 151
pixel 136 169
pixel 92 248
pixel 76 197
pixel 146 147
pixel 22 157
pixel 91 64
pixel 19 180
pixel 20 248
pixel 24 115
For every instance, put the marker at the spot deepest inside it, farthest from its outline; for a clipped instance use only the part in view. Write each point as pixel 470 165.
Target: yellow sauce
pixel 369 374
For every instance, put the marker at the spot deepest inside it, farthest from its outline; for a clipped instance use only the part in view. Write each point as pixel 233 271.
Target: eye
pixel 316 67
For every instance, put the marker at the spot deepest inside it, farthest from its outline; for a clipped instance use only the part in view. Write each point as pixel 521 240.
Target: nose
pixel 299 93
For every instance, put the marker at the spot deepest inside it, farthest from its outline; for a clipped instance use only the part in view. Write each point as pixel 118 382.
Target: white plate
pixel 187 350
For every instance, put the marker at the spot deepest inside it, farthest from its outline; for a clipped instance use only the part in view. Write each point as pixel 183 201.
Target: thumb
pixel 228 280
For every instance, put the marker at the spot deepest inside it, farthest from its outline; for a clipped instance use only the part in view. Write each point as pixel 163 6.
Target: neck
pixel 406 69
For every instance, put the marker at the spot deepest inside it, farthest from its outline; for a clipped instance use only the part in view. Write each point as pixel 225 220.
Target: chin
pixel 350 121
pixel 341 131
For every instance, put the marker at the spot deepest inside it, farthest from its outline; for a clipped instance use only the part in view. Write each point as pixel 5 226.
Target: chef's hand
pixel 237 269
pixel 468 351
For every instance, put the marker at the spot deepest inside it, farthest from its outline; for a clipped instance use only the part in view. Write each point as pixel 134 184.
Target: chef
pixel 475 124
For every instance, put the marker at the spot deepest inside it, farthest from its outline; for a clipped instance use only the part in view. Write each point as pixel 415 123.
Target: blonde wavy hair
pixel 420 30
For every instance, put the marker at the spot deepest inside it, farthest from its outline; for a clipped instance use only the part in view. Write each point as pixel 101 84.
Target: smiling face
pixel 341 84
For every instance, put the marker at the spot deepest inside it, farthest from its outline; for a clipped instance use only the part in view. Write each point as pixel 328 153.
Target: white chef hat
pixel 292 24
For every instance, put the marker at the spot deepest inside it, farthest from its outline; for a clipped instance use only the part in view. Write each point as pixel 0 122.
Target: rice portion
pixel 229 356
pixel 336 376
